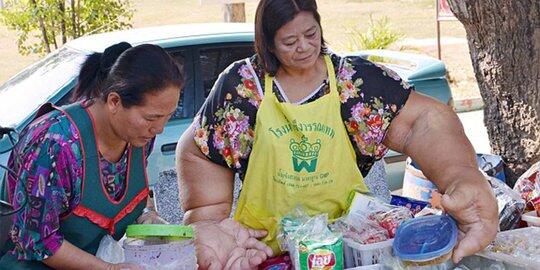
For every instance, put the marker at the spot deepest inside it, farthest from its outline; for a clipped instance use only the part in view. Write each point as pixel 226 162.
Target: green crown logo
pixel 305 154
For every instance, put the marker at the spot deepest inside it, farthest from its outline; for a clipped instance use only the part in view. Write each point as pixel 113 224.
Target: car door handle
pixel 168 148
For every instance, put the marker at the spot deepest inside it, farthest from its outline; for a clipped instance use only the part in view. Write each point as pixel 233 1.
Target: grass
pixel 415 19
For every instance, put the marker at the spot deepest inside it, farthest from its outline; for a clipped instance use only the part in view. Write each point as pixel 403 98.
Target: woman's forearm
pixel 69 256
pixel 432 135
pixel 205 187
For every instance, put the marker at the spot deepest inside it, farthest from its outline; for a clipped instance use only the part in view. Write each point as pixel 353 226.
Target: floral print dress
pixel 371 97
pixel 49 165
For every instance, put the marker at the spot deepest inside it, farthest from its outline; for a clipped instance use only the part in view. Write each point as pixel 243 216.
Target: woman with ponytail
pixel 81 168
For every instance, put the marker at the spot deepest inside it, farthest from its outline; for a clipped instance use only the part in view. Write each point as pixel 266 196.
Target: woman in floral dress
pixel 301 125
pixel 81 168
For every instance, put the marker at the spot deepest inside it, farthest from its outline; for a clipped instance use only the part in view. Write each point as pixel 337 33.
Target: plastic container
pixel 531 218
pixel 518 247
pixel 427 240
pixel 417 186
pixel 161 246
pixel 355 254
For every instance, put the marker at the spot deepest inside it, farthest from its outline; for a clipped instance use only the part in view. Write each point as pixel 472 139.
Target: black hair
pixel 272 15
pixel 131 72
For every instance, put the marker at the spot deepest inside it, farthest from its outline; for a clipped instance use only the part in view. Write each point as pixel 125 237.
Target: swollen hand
pixel 229 245
pixel 471 202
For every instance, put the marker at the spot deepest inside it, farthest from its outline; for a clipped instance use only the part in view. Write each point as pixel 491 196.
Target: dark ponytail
pixel 129 71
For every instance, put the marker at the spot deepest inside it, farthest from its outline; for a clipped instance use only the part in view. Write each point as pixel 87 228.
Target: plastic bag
pixel 110 250
pixel 362 231
pixel 311 244
pixel 528 186
pixel 511 205
pixel 391 219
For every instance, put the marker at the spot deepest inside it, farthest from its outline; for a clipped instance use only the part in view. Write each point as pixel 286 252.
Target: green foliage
pixel 44 25
pixel 379 35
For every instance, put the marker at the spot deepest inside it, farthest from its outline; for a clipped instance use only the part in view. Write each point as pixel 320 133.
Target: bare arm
pixel 432 135
pixel 206 188
pixel 430 132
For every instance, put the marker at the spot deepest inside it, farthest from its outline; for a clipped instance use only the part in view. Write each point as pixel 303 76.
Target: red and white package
pixel 528 186
pixel 360 230
pixel 390 220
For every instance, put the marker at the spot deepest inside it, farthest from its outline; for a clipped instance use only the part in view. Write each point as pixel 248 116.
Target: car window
pixel 21 95
pixel 180 57
pixel 214 60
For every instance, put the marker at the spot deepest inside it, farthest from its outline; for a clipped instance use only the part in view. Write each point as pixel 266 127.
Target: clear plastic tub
pixel 159 246
pixel 356 254
pixel 427 240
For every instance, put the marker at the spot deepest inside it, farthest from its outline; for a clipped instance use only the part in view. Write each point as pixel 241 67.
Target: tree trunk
pixel 73 21
pixel 62 9
pixel 504 43
pixel 235 12
pixel 46 43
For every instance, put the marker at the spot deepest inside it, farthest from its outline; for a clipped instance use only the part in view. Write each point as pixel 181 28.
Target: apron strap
pixel 268 80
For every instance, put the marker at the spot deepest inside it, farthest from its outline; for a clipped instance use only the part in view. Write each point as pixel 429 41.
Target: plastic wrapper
pixel 528 186
pixel 110 250
pixel 311 244
pixel 282 262
pixel 391 219
pixel 510 203
pixel 516 247
pixel 362 231
pixel 414 205
pixel 363 205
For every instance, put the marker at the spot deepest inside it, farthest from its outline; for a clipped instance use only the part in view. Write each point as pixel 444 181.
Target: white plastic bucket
pixel 415 184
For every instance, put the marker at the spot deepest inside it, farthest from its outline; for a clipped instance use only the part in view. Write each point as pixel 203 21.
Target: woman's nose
pixel 157 129
pixel 302 45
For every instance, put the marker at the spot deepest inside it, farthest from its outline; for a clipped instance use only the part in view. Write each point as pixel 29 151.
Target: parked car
pixel 205 50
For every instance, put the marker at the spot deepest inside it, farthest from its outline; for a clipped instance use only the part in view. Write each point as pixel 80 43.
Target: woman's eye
pixel 289 43
pixel 311 35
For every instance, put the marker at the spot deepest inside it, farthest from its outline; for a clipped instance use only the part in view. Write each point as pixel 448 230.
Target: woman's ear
pixel 114 102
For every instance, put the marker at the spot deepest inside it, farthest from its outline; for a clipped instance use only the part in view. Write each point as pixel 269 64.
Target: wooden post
pixel 235 12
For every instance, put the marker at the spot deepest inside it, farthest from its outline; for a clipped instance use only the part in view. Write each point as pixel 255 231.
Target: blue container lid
pixel 425 238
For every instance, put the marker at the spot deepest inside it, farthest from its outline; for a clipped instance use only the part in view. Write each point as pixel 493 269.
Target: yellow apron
pixel 301 156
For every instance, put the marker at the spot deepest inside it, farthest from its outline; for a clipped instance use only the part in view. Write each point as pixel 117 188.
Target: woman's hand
pixel 229 245
pixel 151 217
pixel 472 203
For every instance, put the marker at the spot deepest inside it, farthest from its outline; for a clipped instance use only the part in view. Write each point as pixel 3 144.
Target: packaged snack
pixel 282 262
pixel 391 219
pixel 360 230
pixel 528 186
pixel 511 205
pixel 414 205
pixel 425 240
pixel 311 244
